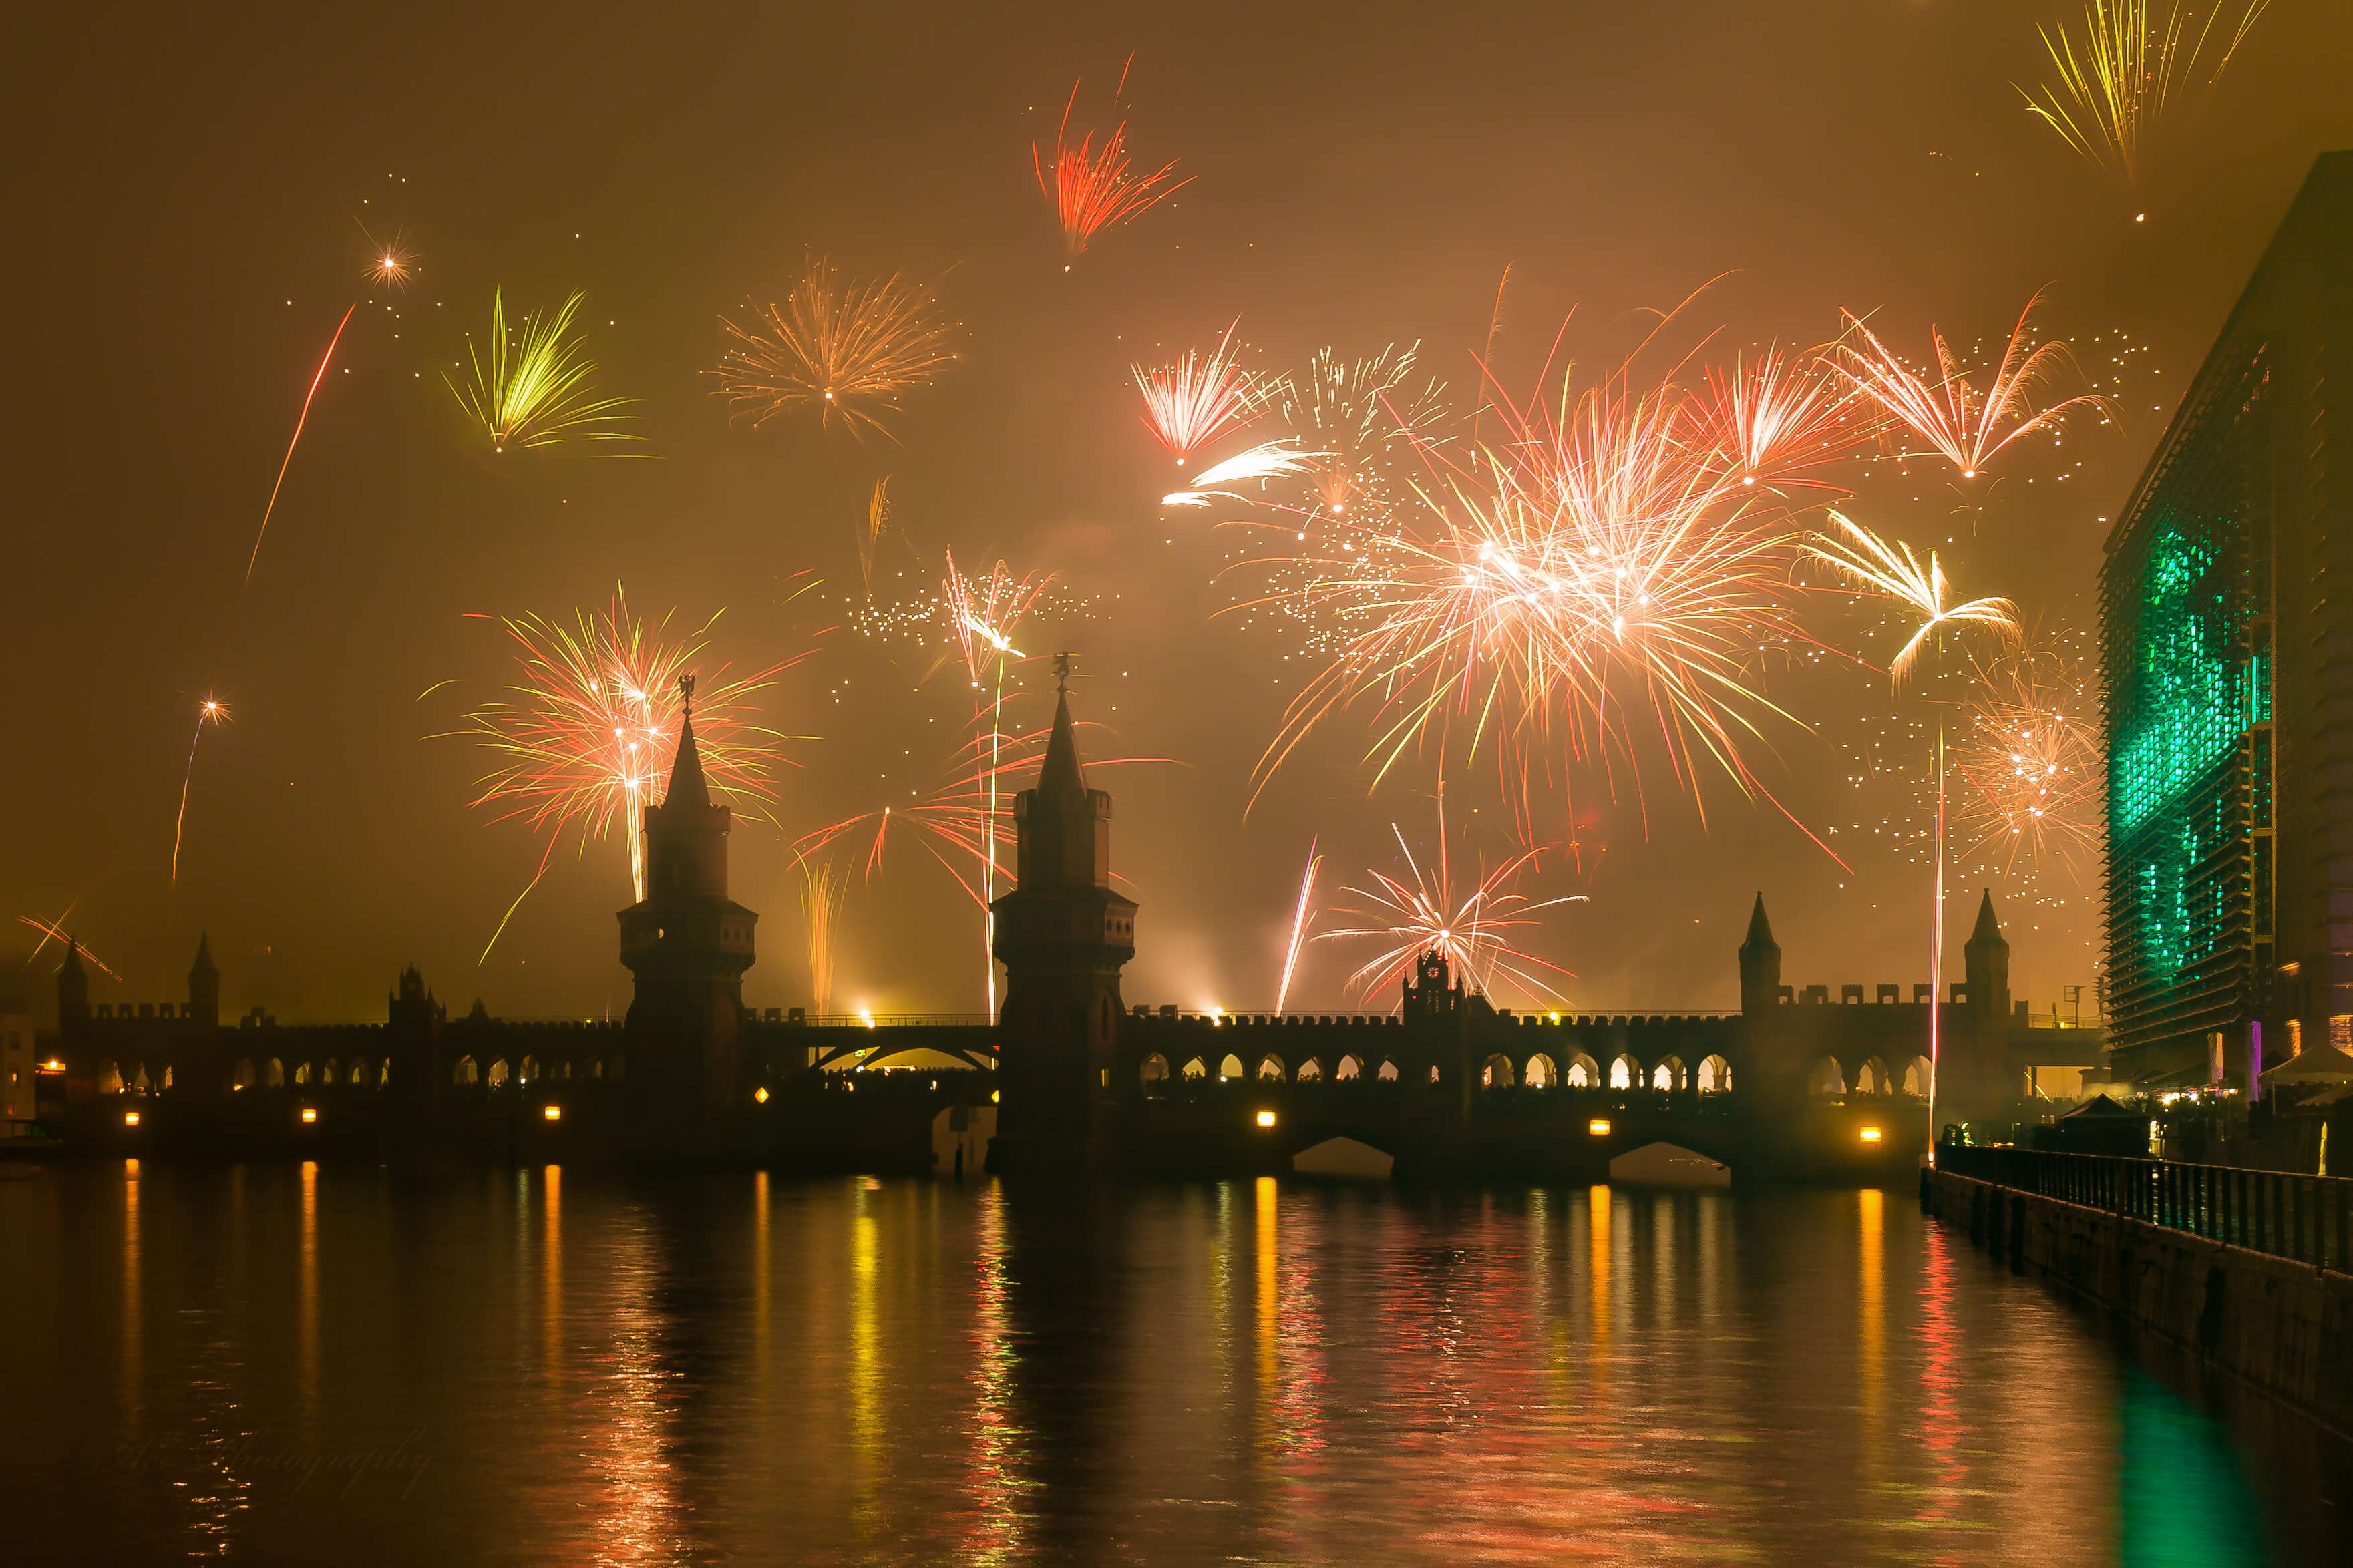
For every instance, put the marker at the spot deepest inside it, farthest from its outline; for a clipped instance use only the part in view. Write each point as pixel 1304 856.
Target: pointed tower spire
pixel 1989 928
pixel 686 768
pixel 204 963
pixel 1060 775
pixel 1760 930
pixel 1760 966
pixel 204 984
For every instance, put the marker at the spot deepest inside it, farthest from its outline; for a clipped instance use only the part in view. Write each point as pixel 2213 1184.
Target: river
pixel 353 1366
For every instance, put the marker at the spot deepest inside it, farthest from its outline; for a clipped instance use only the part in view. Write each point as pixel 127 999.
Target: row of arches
pixel 1271 1067
pixel 497 1072
pixel 245 1073
pixel 1712 1076
pixel 1827 1080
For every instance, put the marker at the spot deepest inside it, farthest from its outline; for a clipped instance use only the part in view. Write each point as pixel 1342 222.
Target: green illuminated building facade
pixel 2227 650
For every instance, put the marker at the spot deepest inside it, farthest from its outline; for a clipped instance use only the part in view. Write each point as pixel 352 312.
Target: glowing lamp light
pixel 131 1118
pixel 1597 1127
pixel 993 1093
pixel 760 1095
pixel 309 1114
pixel 1266 1119
pixel 867 1015
pixel 1871 1134
pixel 553 1112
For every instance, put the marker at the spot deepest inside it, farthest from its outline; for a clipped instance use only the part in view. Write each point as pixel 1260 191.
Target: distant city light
pixel 1266 1119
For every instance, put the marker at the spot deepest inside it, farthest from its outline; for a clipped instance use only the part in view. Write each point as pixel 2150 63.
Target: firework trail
pixel 847 351
pixel 1197 398
pixel 300 420
pixel 1959 424
pixel 592 724
pixel 985 615
pixel 2118 84
pixel 49 933
pixel 1092 187
pixel 535 392
pixel 821 890
pixel 1274 460
pixel 1299 922
pixel 2030 752
pixel 208 711
pixel 1424 915
pixel 1877 566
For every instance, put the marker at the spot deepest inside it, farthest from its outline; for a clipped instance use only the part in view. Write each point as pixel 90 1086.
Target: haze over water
pixel 301 1363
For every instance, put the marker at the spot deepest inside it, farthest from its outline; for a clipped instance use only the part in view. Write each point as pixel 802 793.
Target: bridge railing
pixel 2281 1213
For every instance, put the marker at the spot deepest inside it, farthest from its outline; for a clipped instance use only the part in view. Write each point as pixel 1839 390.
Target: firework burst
pixel 391 263
pixel 822 885
pixel 1961 425
pixel 534 389
pixel 50 932
pixel 1360 416
pixel 1774 420
pixel 2117 82
pixel 1093 187
pixel 1471 932
pixel 848 350
pixel 1191 402
pixel 1877 566
pixel 2030 752
pixel 1300 919
pixel 591 726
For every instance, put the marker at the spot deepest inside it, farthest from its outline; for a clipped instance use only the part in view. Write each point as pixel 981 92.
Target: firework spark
pixel 870 533
pixel 1092 188
pixel 1893 570
pixel 300 420
pixel 593 722
pixel 1196 399
pixel 1959 424
pixel 534 391
pixel 1424 915
pixel 1299 918
pixel 209 712
pixel 847 349
pixel 2116 85
pixel 391 263
pixel 51 934
pixel 2030 754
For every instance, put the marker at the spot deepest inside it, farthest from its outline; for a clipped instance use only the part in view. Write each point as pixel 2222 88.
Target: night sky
pixel 184 190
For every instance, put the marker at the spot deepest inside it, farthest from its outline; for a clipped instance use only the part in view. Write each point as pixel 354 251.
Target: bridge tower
pixel 1064 936
pixel 1770 1076
pixel 687 944
pixel 204 985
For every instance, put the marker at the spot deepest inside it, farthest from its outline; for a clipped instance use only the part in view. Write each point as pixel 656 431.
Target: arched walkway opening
pixel 1540 1073
pixel 327 1070
pixel 464 1072
pixel 1271 1067
pixel 498 1073
pixel 1919 1078
pixel 1668 1075
pixel 1231 1068
pixel 241 1075
pixel 1497 1074
pixel 1310 1071
pixel 1583 1073
pixel 1871 1078
pixel 110 1081
pixel 274 1074
pixel 1388 1073
pixel 361 1076
pixel 529 1070
pixel 1155 1068
pixel 1824 1078
pixel 1349 1067
pixel 1715 1076
pixel 1194 1069
pixel 1622 1072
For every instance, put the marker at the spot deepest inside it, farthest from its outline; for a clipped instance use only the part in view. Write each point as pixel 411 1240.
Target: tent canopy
pixel 2316 1064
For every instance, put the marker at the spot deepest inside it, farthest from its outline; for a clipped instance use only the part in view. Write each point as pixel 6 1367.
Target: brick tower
pixel 687 944
pixel 1062 935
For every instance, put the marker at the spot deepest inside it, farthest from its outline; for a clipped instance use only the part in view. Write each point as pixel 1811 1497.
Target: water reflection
pixel 741 1366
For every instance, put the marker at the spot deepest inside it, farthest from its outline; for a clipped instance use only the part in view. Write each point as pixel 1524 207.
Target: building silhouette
pixel 2227 653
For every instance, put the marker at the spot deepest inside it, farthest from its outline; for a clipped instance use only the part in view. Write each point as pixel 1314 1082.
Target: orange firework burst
pixel 391 263
pixel 848 350
pixel 2030 754
pixel 1092 187
pixel 1772 420
pixel 1424 915
pixel 1599 565
pixel 1961 425
pixel 50 932
pixel 1197 398
pixel 593 726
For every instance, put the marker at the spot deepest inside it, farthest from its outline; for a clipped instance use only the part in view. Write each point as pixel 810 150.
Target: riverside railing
pixel 2281 1213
